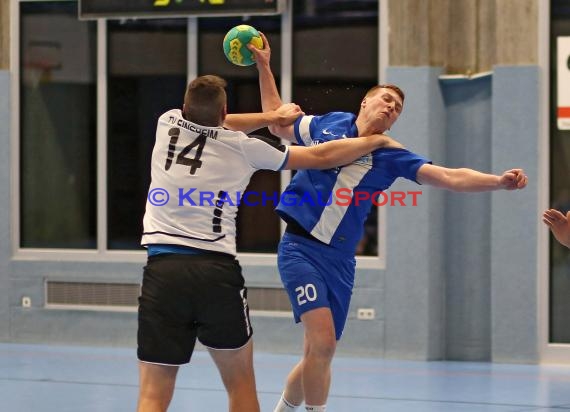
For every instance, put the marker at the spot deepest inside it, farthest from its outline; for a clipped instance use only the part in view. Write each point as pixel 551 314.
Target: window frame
pixel 101 253
pixel 548 352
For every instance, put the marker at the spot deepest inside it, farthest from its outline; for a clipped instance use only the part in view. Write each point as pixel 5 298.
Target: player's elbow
pixel 274 130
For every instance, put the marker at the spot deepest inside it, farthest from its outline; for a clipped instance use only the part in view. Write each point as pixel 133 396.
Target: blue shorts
pixel 316 276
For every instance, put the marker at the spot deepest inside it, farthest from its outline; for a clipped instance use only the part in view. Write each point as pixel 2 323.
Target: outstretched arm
pixel 334 153
pixel 270 98
pixel 559 225
pixel 469 180
pixel 248 122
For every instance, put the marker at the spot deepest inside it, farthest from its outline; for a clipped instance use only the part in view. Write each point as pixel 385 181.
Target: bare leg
pixel 320 346
pixel 156 386
pixel 310 379
pixel 294 386
pixel 236 369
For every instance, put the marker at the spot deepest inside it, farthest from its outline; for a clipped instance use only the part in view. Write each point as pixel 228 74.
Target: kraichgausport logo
pixel 341 197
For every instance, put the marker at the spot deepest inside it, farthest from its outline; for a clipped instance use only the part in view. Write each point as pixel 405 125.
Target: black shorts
pixel 185 297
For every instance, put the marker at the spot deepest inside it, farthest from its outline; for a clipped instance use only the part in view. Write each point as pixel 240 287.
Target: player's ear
pixel 363 103
pixel 224 112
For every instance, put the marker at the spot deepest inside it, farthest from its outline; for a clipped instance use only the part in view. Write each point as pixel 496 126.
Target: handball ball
pixel 235 44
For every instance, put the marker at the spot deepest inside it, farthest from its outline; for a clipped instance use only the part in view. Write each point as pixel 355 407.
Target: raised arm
pixel 469 180
pixel 559 225
pixel 270 98
pixel 248 122
pixel 334 153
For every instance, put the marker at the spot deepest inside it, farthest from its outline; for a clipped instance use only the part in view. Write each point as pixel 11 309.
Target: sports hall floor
pixel 85 379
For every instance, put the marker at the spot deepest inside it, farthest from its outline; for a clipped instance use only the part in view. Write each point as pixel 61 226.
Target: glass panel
pixel 147 76
pixel 57 127
pixel 559 187
pixel 243 97
pixel 335 62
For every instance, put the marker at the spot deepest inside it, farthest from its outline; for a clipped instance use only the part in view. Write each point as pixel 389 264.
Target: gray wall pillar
pixel 514 227
pixel 467 222
pixel 414 281
pixel 5 205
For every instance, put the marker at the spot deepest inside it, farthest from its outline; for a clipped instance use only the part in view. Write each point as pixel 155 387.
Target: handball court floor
pixel 94 379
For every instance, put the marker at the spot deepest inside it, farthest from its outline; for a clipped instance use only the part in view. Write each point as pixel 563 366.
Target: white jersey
pixel 198 174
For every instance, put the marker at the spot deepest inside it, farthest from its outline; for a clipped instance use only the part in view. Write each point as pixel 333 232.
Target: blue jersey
pixel 323 202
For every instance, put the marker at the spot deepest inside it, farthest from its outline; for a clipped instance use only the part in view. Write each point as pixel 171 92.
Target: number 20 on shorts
pixel 307 293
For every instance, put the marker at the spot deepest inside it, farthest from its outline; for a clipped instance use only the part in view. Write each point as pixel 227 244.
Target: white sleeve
pixel 264 153
pixel 303 130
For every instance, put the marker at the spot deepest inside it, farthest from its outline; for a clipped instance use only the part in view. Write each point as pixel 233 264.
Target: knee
pixel 322 348
pixel 241 384
pixel 150 401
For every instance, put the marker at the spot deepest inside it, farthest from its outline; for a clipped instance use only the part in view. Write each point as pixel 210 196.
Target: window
pixel 331 73
pixel 57 127
pixel 77 124
pixel 243 97
pixel 146 77
pixel 559 330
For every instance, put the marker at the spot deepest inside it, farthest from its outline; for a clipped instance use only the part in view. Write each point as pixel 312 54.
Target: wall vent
pixel 268 299
pixel 124 296
pixel 92 295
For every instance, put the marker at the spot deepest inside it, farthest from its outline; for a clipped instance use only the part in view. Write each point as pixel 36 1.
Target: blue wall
pixel 415 239
pixel 5 206
pixel 468 217
pixel 460 279
pixel 514 230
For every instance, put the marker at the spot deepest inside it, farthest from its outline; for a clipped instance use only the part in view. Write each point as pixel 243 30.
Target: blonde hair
pixel 376 88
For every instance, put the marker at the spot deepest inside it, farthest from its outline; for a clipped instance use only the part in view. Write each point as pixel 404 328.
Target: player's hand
pixel 559 224
pixel 513 179
pixel 287 113
pixel 262 56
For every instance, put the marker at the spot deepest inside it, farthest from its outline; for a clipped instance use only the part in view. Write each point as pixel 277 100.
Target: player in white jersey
pixel 316 255
pixel 192 284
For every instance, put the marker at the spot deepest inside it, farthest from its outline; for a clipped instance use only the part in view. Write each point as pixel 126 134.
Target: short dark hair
pixel 205 100
pixel 374 89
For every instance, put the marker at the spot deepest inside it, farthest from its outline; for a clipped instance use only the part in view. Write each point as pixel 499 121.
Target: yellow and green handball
pixel 235 43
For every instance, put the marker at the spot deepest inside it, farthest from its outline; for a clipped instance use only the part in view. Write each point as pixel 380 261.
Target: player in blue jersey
pixel 192 286
pixel 316 256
